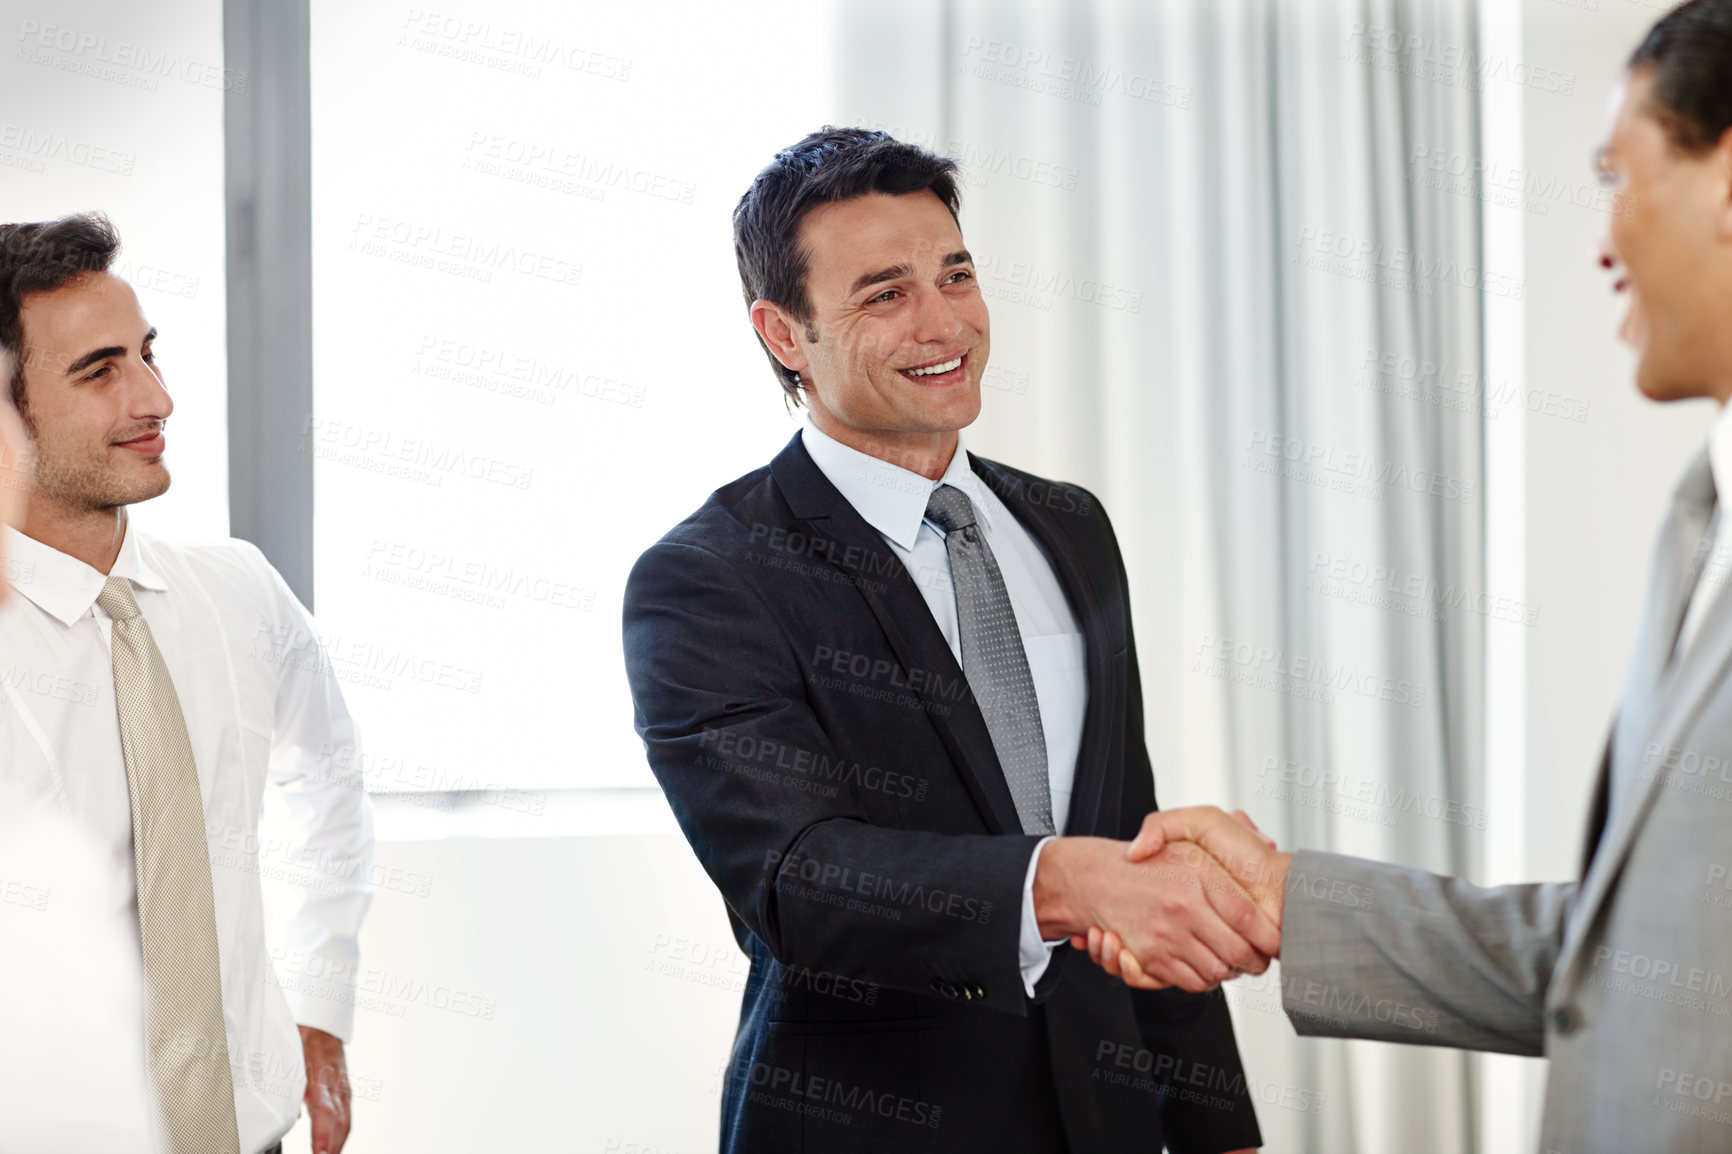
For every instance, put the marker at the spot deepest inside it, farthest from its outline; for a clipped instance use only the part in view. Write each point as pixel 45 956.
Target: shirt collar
pixel 1720 459
pixel 64 587
pixel 888 497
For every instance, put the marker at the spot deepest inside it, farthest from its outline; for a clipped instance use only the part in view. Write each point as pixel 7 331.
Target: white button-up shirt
pixel 266 719
pixel 1716 563
pixel 892 500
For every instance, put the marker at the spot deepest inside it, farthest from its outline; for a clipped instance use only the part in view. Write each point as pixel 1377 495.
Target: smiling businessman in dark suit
pixel 876 679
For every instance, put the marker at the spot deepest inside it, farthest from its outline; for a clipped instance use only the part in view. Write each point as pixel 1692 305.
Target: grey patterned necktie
pixel 188 1045
pixel 993 659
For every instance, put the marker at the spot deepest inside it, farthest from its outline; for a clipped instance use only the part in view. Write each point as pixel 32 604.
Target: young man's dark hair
pixel 829 165
pixel 40 257
pixel 1689 55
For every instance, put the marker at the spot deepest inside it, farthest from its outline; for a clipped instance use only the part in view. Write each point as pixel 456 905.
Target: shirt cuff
pixel 1032 952
pixel 327 1006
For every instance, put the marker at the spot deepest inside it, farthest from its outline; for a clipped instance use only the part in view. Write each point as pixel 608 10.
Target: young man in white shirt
pixel 134 671
pixel 66 942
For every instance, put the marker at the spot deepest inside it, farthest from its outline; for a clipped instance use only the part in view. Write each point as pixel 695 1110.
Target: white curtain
pixel 1232 249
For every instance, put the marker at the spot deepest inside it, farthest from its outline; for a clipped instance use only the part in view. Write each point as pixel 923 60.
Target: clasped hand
pixel 1192 902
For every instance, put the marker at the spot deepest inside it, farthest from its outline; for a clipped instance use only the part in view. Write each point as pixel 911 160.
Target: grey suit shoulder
pixel 1624 980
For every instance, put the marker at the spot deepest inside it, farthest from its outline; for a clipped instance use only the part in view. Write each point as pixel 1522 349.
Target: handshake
pixel 1192 902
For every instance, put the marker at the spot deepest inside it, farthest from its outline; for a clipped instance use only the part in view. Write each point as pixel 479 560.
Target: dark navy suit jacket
pixel 826 760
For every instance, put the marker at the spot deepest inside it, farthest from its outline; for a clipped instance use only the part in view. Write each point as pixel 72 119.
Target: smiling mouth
pixel 148 440
pixel 938 369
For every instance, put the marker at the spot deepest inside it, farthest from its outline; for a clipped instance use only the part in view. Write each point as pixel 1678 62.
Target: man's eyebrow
pixel 894 272
pixel 897 272
pixel 102 354
pixel 93 356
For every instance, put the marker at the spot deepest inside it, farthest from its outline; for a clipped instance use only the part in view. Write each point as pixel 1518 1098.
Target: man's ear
pixel 1720 165
pixel 777 329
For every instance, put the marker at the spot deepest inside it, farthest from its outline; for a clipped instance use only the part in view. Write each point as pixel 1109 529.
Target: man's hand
pixel 1233 841
pixel 1243 850
pixel 1176 909
pixel 327 1090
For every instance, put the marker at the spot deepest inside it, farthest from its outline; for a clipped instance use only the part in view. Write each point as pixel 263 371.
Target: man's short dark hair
pixel 830 165
pixel 1689 55
pixel 40 257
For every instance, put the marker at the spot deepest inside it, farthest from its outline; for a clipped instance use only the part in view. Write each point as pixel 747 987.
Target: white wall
pixel 567 993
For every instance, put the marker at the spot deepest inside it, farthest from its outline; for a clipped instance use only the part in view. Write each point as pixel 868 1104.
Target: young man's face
pixel 894 297
pixel 93 398
pixel 1670 243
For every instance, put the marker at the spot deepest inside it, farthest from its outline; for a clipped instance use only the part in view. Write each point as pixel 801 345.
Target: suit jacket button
pixel 979 992
pixel 1565 1020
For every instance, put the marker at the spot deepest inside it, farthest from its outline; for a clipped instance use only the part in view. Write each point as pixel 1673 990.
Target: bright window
pixel 531 356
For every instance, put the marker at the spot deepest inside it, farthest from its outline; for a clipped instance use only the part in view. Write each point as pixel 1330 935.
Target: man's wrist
pixel 321 1048
pixel 1059 903
pixel 1051 907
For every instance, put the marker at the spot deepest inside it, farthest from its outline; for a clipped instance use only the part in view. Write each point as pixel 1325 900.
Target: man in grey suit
pixel 1624 979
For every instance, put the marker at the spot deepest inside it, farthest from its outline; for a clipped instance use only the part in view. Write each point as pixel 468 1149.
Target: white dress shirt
pixel 266 719
pixel 893 500
pixel 1717 564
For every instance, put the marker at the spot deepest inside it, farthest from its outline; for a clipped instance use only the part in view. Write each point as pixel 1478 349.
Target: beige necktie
pixel 189 1050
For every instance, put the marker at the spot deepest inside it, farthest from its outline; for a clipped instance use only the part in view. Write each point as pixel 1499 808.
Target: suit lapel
pixel 884 583
pixel 1089 789
pixel 1662 698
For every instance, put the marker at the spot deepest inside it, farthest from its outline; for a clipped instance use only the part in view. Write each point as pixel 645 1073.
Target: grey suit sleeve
pixel 1393 954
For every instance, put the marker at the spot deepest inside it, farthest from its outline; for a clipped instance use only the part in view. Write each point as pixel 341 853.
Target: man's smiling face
pixel 1670 249
pixel 93 396
pixel 899 333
